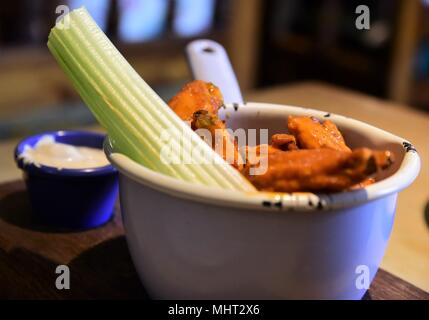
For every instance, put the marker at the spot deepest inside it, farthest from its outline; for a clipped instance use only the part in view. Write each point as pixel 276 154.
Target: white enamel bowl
pixel 192 242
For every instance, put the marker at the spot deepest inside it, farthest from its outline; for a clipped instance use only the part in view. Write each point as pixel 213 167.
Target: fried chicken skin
pixel 313 157
pixel 310 133
pixel 284 142
pixel 366 182
pixel 318 170
pixel 222 142
pixel 279 142
pixel 198 103
pixel 194 96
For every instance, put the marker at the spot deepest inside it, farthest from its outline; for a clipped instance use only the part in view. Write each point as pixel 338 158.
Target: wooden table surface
pixel 407 255
pixel 98 259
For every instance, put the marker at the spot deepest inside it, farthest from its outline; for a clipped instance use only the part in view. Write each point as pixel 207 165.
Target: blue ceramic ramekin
pixel 70 198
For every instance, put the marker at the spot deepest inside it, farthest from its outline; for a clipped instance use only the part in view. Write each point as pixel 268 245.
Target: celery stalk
pixel 132 113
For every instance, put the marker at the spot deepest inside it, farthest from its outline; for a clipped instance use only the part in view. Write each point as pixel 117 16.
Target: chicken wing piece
pixel 284 142
pixel 254 154
pixel 318 170
pixel 312 134
pixel 222 142
pixel 279 143
pixel 194 96
pixel 363 184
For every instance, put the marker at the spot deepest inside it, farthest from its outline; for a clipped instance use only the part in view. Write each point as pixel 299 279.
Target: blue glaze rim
pixel 52 171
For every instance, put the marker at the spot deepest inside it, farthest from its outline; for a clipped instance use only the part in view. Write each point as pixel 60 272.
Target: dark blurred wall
pixel 318 40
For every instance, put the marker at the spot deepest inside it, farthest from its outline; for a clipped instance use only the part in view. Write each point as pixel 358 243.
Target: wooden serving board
pixel 99 262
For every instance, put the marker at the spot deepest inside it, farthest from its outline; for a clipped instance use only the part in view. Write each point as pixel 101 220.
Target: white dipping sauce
pixel 50 153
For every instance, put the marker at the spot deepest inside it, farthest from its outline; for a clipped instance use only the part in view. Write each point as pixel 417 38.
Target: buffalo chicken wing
pixel 313 156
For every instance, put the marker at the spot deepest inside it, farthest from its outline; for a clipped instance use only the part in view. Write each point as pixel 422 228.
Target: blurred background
pixel 273 45
pixel 270 42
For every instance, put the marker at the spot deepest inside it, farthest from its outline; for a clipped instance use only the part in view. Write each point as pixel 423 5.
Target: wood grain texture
pixel 98 259
pixel 99 262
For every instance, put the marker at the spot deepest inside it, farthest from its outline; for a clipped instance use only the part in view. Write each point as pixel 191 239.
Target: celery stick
pixel 103 73
pixel 133 114
pixel 121 117
pixel 89 30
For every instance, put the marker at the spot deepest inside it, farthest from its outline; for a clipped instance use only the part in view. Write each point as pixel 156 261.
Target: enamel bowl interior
pixel 195 242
